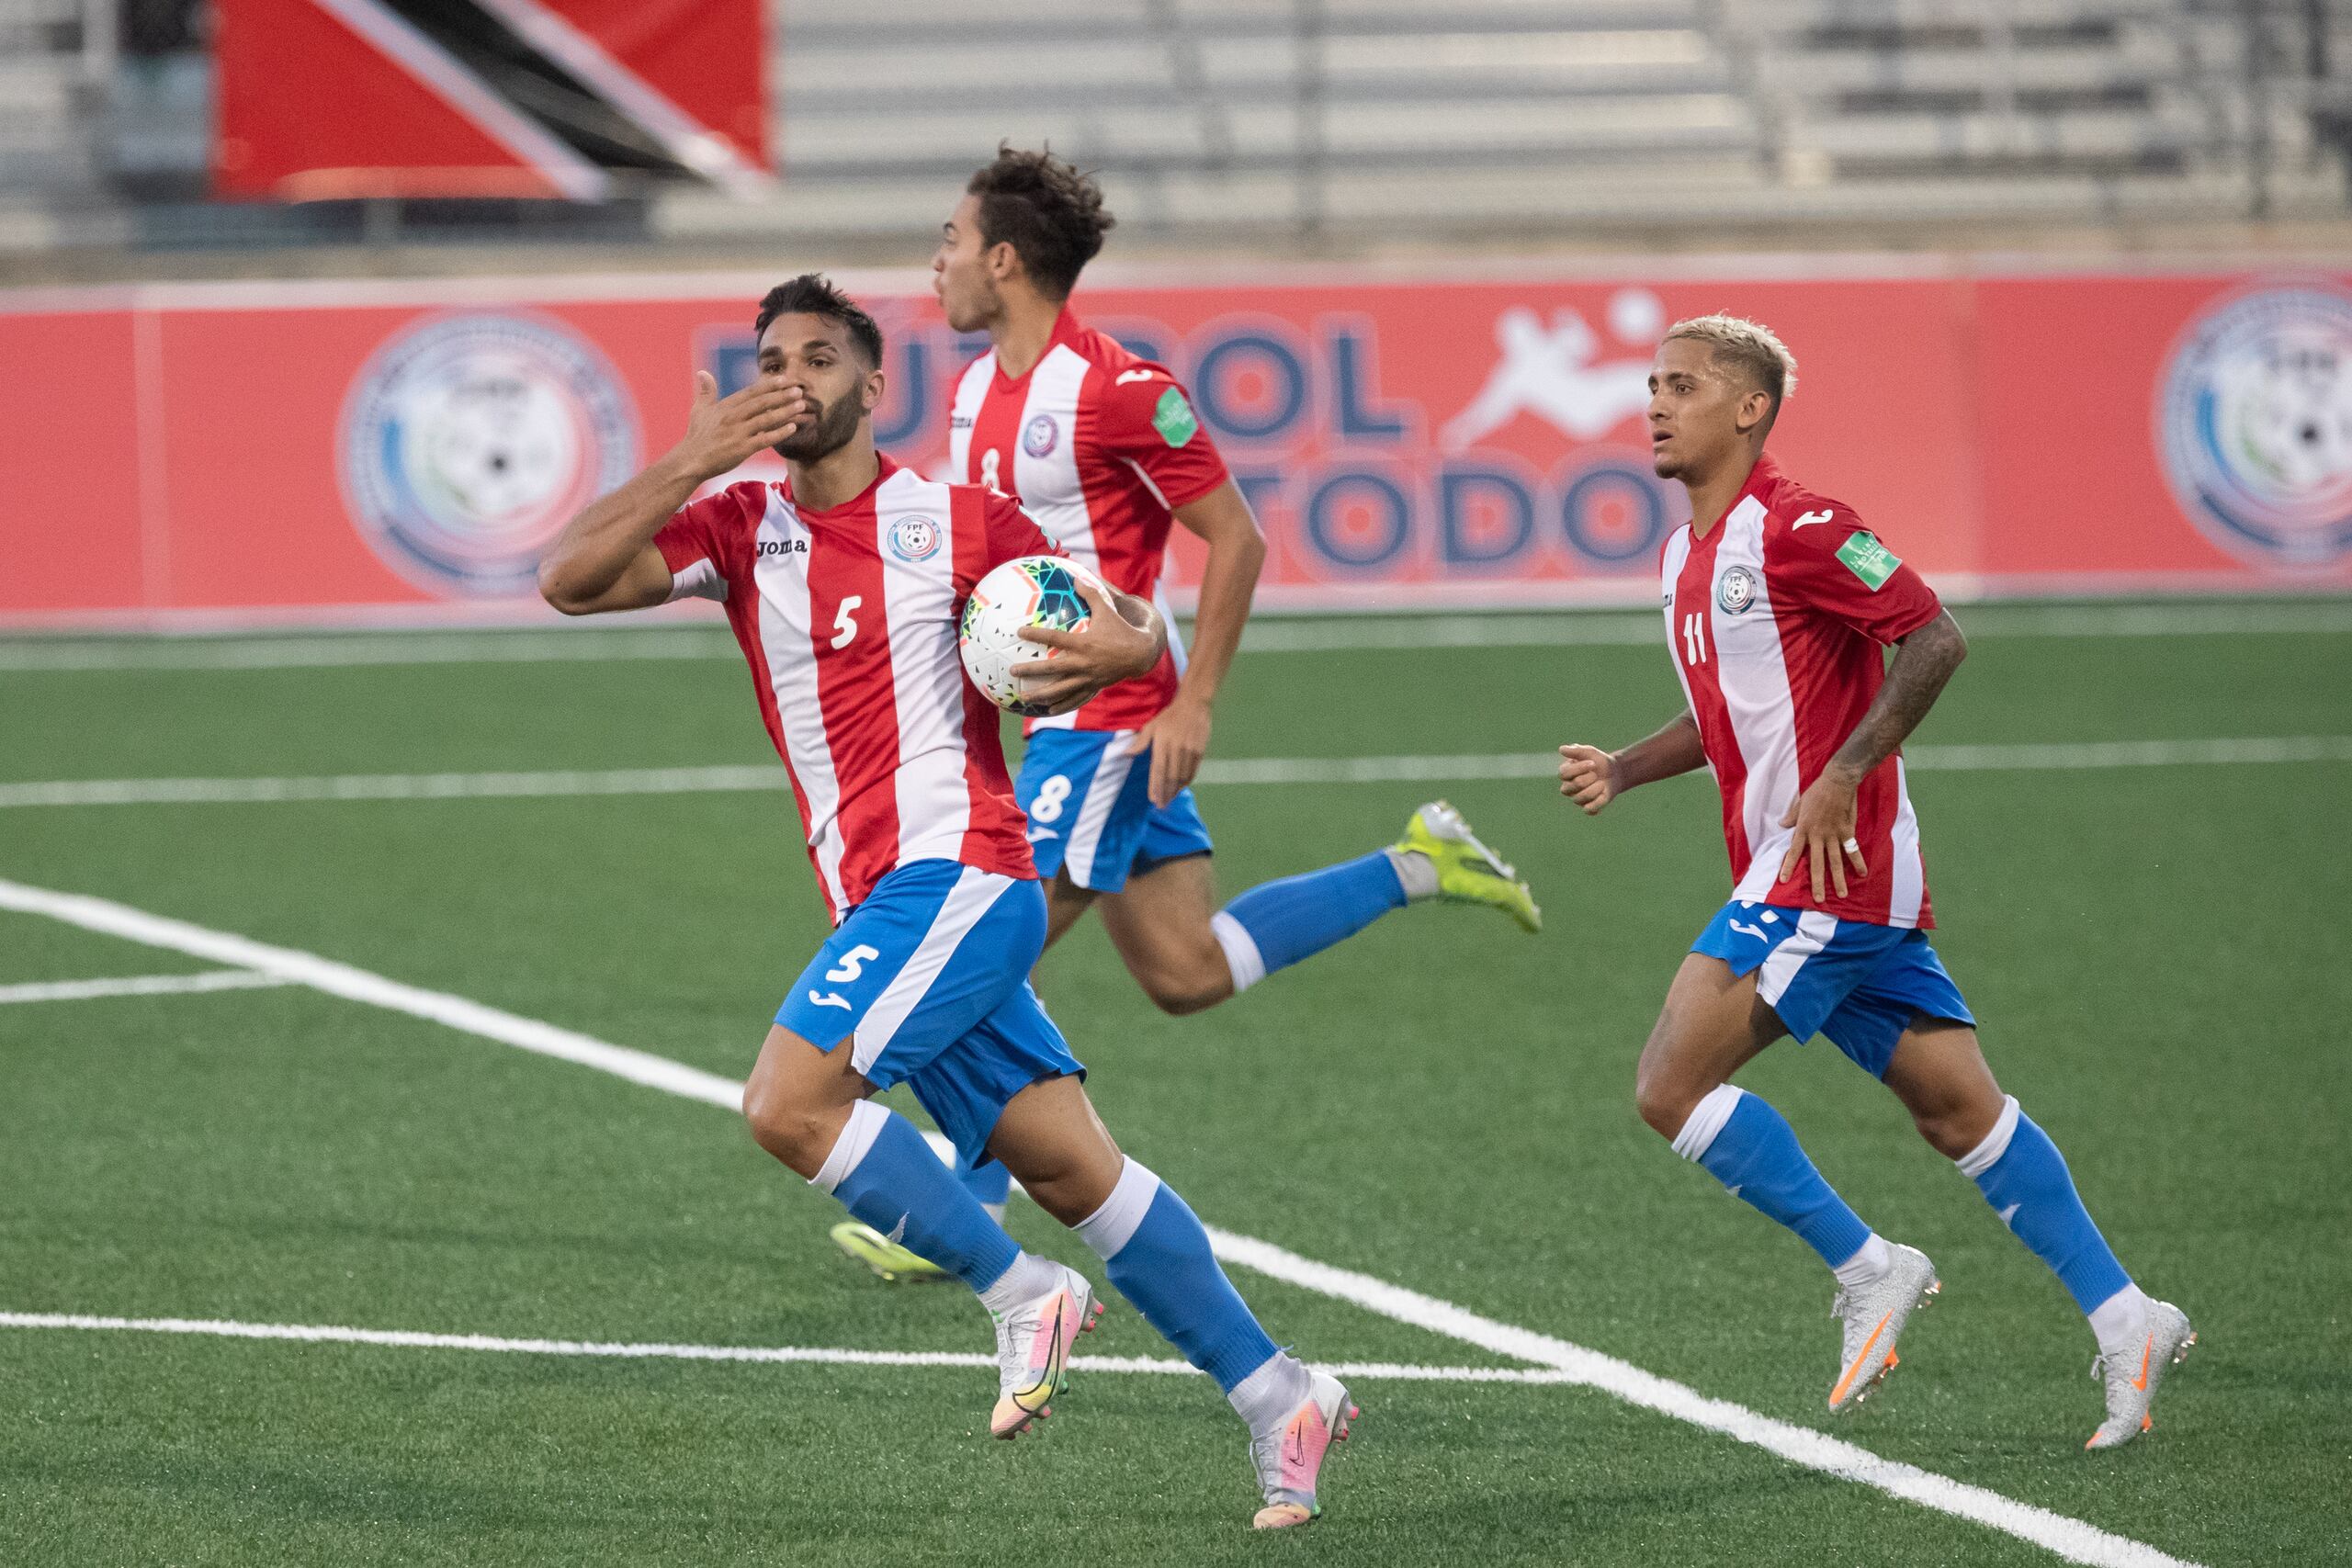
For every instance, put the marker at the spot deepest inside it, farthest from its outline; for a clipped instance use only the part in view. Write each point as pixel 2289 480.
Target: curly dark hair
pixel 1049 212
pixel 813 294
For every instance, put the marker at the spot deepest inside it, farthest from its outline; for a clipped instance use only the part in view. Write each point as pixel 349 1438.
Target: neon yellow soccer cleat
pixel 884 1257
pixel 1467 870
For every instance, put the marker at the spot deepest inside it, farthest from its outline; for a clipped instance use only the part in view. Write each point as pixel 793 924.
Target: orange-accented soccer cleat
pixel 2132 1377
pixel 1873 1317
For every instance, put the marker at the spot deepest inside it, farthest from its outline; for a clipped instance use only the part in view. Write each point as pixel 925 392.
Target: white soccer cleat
pixel 2131 1376
pixel 1874 1316
pixel 1289 1457
pixel 1033 1344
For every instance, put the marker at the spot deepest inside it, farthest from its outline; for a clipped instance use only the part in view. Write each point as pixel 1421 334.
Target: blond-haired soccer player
pixel 1778 603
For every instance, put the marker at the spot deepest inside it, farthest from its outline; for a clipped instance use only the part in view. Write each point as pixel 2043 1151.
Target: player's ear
pixel 870 394
pixel 1755 412
pixel 1003 261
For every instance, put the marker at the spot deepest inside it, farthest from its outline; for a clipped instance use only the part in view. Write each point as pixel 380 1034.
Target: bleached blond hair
pixel 1750 348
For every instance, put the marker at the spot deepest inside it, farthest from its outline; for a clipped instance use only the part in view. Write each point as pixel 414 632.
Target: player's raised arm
pixel 1593 777
pixel 1123 638
pixel 1825 814
pixel 605 558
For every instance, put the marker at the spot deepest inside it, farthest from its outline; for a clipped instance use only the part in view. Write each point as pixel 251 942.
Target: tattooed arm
pixel 1823 814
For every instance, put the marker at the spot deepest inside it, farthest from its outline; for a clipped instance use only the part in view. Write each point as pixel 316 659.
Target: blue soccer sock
pixel 1156 1253
pixel 2025 1179
pixel 1275 924
pixel 884 1174
pixel 1750 1148
pixel 991 1185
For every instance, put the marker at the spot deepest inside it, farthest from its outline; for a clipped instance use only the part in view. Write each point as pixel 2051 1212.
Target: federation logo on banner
pixel 468 442
pixel 2253 424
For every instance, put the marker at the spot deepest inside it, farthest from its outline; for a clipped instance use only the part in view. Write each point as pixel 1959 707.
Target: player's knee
pixel 1953 1128
pixel 1663 1102
pixel 1177 998
pixel 1188 987
pixel 784 1125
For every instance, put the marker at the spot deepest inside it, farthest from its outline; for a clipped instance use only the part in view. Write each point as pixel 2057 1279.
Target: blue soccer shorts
pixel 1090 810
pixel 1859 984
pixel 927 982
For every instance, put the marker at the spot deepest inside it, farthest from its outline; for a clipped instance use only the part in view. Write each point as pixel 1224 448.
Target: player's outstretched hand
pixel 1823 819
pixel 1178 739
pixel 1588 777
pixel 1107 650
pixel 722 432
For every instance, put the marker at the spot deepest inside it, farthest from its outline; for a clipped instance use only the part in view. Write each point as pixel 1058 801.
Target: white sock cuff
pixel 1871 1261
pixel 2116 1320
pixel 1987 1155
pixel 1109 1228
pixel 1266 1397
pixel 1707 1119
pixel 865 1122
pixel 1415 873
pixel 1241 955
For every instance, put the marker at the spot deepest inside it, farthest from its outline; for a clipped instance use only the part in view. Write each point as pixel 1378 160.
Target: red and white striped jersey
pixel 848 618
pixel 1101 447
pixel 1776 619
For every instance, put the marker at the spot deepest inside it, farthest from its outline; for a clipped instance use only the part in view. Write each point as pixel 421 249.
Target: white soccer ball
pixel 1029 591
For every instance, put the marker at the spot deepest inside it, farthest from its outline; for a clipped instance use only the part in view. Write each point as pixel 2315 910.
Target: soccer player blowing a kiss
pixel 1778 603
pixel 843 586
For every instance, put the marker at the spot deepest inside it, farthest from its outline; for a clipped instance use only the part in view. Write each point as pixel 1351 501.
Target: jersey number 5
pixel 845 620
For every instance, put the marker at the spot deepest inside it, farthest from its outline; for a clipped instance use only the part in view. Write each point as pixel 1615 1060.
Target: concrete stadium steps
pixel 1251 117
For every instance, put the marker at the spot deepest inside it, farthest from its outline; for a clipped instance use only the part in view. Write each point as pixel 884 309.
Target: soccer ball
pixel 1030 590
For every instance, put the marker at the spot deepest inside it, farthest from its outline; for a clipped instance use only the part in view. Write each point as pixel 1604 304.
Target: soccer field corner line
pixel 2074 1539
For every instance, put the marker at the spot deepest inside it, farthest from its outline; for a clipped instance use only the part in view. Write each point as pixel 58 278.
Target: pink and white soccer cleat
pixel 1289 1457
pixel 1033 1344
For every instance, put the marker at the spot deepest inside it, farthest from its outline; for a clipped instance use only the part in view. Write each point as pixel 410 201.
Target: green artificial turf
pixel 2160 958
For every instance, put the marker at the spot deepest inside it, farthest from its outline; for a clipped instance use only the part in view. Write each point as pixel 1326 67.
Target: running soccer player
pixel 1104 450
pixel 843 586
pixel 1777 602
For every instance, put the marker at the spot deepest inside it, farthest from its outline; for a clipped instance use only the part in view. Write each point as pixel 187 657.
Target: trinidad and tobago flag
pixel 324 100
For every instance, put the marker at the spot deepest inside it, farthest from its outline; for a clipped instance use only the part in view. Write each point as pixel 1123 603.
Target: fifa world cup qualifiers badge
pixel 2253 423
pixel 1173 418
pixel 1869 559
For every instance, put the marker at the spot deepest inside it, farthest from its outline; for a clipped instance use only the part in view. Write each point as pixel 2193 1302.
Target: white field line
pixel 296 967
pixel 353 650
pixel 1339 635
pixel 138 986
pixel 789 1354
pixel 2068 1538
pixel 762 777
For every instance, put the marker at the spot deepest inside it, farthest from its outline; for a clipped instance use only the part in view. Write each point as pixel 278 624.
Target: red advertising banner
pixel 325 451
pixel 324 100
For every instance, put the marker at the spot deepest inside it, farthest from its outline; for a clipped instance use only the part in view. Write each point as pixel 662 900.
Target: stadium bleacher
pixel 1350 121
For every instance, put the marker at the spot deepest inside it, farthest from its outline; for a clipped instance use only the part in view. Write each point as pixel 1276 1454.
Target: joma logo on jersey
pixel 766 548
